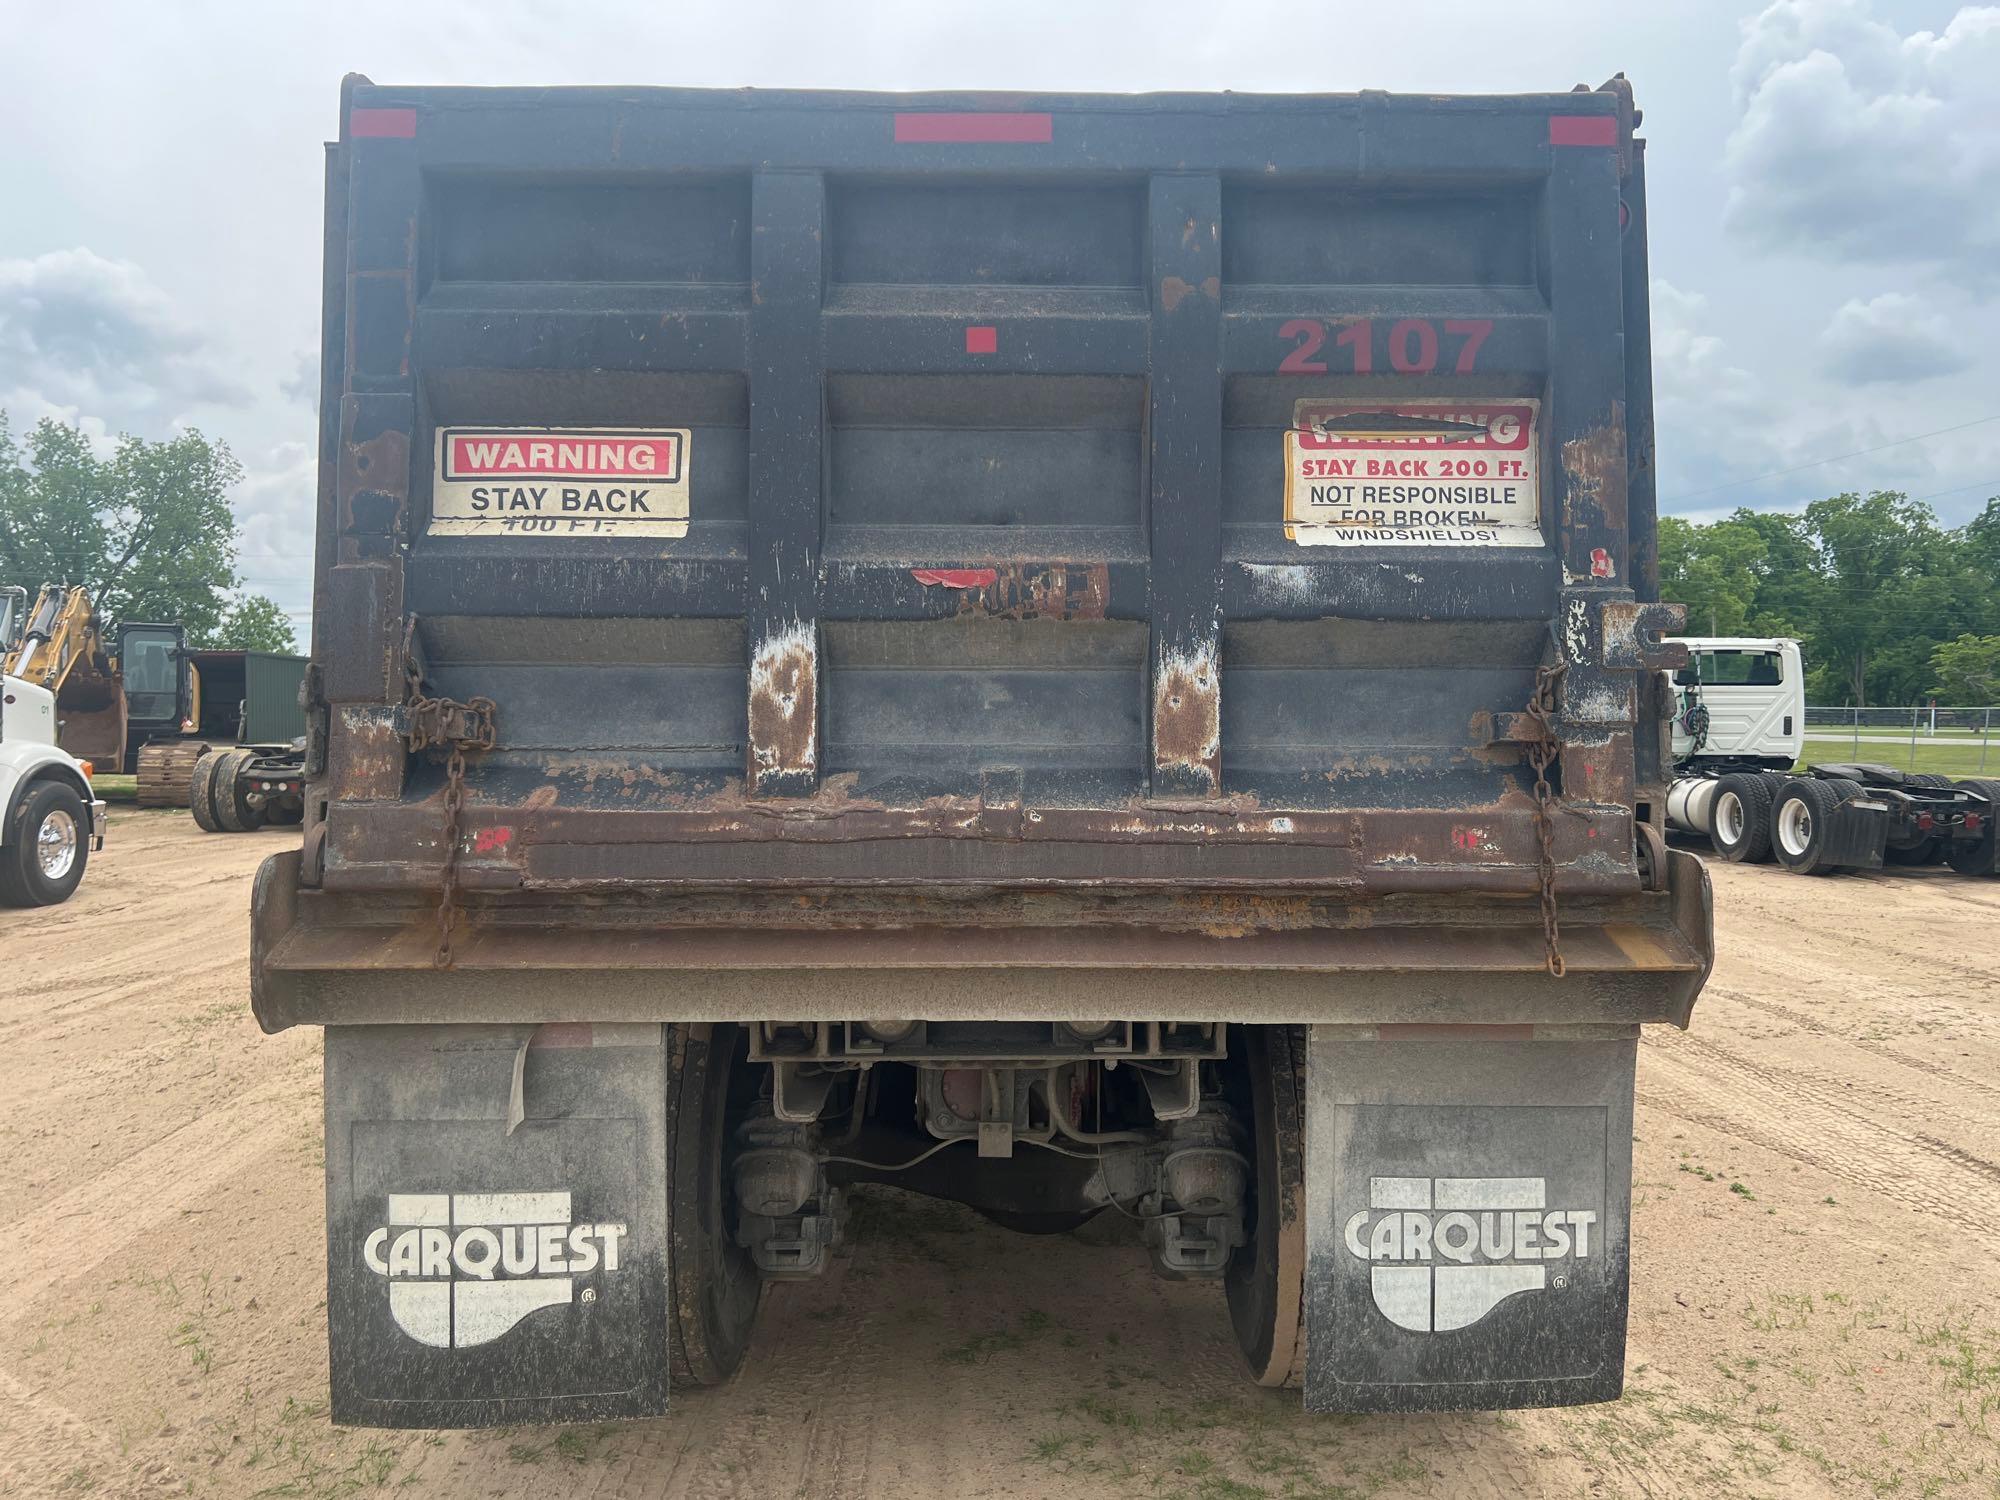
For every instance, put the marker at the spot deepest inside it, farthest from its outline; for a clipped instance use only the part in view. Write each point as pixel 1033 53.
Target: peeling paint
pixel 784 706
pixel 1187 716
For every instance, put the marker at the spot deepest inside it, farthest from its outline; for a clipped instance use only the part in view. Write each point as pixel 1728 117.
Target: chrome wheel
pixel 56 844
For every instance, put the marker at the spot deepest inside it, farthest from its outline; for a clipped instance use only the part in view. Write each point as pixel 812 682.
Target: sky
pixel 1823 194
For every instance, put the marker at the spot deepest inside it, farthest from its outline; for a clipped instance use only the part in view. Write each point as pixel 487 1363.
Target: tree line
pixel 1890 606
pixel 147 530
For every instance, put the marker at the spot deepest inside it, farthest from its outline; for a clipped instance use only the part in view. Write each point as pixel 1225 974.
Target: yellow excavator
pixel 129 701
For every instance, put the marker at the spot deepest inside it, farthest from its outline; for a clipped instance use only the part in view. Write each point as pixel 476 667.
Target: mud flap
pixel 1467 1199
pixel 496 1224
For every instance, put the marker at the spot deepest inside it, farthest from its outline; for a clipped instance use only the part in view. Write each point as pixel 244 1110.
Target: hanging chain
pixel 441 723
pixel 1543 749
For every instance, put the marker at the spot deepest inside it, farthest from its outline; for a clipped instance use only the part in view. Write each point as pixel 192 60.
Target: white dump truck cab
pixel 50 820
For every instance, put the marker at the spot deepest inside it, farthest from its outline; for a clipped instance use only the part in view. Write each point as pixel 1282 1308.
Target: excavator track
pixel 165 770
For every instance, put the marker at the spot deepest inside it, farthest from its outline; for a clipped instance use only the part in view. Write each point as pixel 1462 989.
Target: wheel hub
pixel 56 845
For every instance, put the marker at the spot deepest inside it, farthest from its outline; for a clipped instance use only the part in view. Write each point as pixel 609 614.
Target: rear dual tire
pixel 218 794
pixel 1265 1281
pixel 1739 819
pixel 1802 824
pixel 714 1289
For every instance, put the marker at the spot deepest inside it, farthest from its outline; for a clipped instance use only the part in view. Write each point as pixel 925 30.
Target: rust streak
pixel 784 707
pixel 1031 591
pixel 1187 717
pixel 1594 465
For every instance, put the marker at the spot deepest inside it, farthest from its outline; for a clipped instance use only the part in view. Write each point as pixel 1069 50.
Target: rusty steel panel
pixel 986 585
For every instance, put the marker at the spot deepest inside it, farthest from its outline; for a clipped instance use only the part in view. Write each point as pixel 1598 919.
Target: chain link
pixel 443 724
pixel 1543 750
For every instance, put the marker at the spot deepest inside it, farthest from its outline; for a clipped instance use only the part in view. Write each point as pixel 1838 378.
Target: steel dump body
pixel 995 663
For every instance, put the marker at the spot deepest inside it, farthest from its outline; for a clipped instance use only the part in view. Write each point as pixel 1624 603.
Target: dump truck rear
pixel 1078 654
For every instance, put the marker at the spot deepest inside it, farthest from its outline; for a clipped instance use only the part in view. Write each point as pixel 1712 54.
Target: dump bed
pixel 987 553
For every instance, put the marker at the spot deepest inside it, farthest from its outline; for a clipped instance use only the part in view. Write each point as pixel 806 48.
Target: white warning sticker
pixel 560 481
pixel 1427 473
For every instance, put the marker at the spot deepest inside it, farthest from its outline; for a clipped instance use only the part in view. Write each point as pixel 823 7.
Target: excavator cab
pixel 159 682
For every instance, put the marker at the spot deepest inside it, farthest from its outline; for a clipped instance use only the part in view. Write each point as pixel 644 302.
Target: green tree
pixel 252 623
pixel 148 530
pixel 1967 670
pixel 1713 570
pixel 1893 591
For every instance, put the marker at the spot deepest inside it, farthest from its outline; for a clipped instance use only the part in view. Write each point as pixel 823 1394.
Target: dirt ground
pixel 1815 1293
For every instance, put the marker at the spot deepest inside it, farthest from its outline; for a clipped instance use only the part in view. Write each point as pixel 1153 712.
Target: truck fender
pixel 19 773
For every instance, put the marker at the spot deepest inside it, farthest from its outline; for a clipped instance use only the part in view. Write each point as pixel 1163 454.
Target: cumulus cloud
pixel 302 385
pixel 1891 337
pixel 97 341
pixel 1857 143
pixel 1719 414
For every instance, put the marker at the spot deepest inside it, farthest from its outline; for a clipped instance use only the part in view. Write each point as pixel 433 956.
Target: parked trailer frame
pixel 982 743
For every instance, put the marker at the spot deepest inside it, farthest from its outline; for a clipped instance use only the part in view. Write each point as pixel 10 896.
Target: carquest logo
pixel 463 1268
pixel 1443 1252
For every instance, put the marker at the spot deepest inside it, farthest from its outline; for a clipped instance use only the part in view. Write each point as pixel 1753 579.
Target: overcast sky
pixel 1823 181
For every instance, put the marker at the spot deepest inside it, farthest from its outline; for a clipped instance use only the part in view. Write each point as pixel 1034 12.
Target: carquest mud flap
pixel 1467 1198
pixel 496 1223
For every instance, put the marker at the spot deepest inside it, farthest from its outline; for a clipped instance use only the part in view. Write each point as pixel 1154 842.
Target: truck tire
pixel 201 792
pixel 49 846
pixel 233 808
pixel 1801 824
pixel 714 1289
pixel 1740 819
pixel 1983 857
pixel 1265 1281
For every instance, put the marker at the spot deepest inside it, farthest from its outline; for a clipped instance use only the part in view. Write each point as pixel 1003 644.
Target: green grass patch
pixel 1944 757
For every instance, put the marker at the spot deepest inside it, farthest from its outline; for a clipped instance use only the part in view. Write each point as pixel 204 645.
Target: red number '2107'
pixel 1412 345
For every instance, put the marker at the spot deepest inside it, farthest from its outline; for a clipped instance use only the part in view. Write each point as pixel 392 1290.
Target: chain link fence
pixel 1954 740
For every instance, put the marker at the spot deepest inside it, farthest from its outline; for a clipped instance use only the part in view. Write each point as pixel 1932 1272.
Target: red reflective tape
pixel 486 840
pixel 956 578
pixel 957 128
pixel 1583 130
pixel 383 124
pixel 982 340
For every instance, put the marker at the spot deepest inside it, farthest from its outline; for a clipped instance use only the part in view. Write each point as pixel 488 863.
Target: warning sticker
pixel 560 481
pixel 1432 473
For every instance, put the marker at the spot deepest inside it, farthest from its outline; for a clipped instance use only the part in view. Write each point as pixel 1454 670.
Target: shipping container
pixel 1069 652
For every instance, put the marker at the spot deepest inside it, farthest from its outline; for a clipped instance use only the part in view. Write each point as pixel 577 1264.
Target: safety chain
pixel 1543 749
pixel 441 723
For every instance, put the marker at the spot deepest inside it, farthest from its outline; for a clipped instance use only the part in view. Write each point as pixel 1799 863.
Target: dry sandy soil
pixel 1815 1293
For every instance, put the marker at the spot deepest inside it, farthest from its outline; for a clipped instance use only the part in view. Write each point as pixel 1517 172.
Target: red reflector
pixel 1583 130
pixel 1924 822
pixel 1973 823
pixel 383 124
pixel 955 578
pixel 982 341
pixel 956 128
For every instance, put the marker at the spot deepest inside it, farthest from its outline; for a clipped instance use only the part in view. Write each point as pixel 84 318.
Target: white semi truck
pixel 1739 731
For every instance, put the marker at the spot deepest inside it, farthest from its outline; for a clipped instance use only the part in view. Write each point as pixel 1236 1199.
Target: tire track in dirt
pixel 1805 1122
pixel 148 1187
pixel 47 1449
pixel 1804 1022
